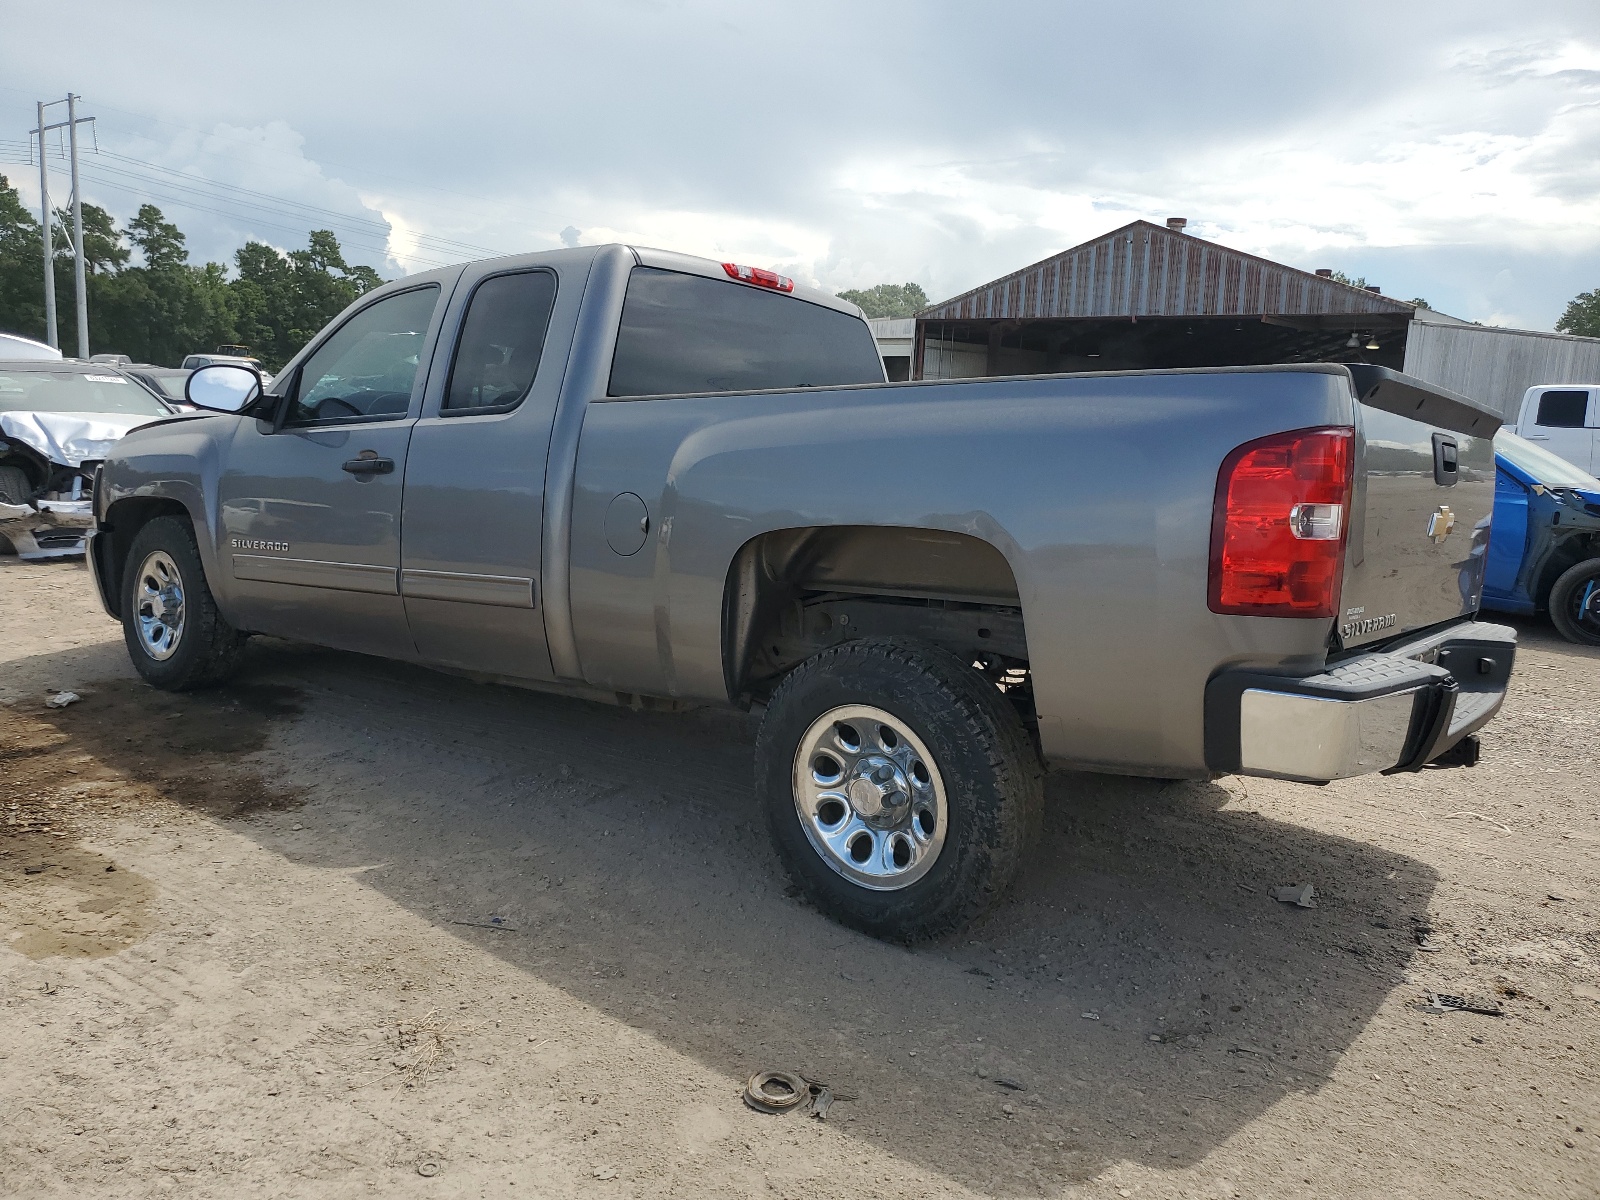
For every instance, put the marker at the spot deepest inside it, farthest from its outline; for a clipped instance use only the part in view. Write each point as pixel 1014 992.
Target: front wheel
pixel 900 786
pixel 175 635
pixel 1575 603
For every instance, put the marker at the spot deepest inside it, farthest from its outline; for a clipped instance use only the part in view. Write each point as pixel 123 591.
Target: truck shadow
pixel 1138 997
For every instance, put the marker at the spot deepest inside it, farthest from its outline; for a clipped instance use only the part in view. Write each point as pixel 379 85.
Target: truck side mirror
pixel 222 387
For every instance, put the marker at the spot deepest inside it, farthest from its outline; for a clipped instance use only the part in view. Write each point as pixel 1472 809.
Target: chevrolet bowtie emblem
pixel 1440 524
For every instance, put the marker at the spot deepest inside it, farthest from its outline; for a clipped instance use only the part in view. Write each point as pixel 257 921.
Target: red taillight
pixel 1278 526
pixel 759 276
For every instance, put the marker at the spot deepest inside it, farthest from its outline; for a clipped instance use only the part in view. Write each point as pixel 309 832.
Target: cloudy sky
pixel 1443 150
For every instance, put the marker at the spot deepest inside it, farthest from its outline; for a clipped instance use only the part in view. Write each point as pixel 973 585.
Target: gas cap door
pixel 627 524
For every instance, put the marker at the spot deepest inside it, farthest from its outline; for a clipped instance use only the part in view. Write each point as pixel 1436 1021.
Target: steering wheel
pixel 334 406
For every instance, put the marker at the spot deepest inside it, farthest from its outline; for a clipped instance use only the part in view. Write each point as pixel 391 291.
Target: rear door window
pixel 366 370
pixel 1563 410
pixel 686 333
pixel 502 338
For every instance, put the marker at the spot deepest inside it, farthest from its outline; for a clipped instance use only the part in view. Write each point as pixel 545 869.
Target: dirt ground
pixel 348 927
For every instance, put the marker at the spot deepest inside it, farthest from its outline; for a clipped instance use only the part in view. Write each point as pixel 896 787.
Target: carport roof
pixel 1145 270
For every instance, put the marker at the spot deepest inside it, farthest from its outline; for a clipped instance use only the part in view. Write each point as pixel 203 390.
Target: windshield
pixel 172 385
pixel 69 391
pixel 1543 466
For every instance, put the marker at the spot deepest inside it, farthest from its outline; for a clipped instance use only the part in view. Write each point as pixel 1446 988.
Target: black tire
pixel 14 485
pixel 206 649
pixel 993 782
pixel 1575 603
pixel 14 489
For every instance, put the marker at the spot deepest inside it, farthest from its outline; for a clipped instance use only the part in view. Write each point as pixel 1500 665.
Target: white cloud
pixel 1455 145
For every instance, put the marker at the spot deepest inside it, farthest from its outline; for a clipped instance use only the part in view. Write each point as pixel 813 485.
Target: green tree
pixel 160 242
pixel 103 250
pixel 159 307
pixel 889 299
pixel 1582 316
pixel 282 300
pixel 21 267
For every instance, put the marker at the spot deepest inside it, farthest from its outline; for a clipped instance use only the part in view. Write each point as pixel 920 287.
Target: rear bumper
pixel 53 530
pixel 1392 711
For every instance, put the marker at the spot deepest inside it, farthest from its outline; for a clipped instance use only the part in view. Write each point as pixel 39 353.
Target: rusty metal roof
pixel 1144 270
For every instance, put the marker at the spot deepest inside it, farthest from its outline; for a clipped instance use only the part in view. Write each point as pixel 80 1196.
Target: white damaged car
pixel 57 421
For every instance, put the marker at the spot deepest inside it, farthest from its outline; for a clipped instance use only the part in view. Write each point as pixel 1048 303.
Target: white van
pixel 1564 418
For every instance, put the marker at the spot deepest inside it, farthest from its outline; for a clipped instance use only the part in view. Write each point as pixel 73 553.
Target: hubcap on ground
pixel 159 605
pixel 869 797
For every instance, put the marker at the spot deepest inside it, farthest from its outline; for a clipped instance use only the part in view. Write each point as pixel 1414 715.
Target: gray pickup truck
pixel 649 479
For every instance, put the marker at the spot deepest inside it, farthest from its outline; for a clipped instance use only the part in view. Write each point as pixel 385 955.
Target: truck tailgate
pixel 1419 521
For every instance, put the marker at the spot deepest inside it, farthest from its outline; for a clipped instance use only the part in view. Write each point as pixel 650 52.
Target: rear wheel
pixel 175 636
pixel 900 786
pixel 1575 603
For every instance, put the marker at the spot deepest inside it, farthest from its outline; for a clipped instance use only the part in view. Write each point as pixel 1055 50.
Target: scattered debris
pixel 1091 1016
pixel 979 971
pixel 1443 1002
pixel 48 988
pixel 38 870
pixel 1477 817
pixel 821 1103
pixel 62 699
pixel 1010 1085
pixel 1010 1110
pixel 605 1172
pixel 1301 894
pixel 427 1168
pixel 492 923
pixel 785 1091
pixel 1568 894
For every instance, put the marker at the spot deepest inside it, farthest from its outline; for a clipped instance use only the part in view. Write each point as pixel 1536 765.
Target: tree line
pixel 163 307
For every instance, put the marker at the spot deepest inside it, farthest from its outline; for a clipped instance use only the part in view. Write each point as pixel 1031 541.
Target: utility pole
pixel 49 251
pixel 77 230
pixel 71 125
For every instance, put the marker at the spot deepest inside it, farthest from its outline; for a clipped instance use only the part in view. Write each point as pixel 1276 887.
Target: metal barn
pixel 1145 296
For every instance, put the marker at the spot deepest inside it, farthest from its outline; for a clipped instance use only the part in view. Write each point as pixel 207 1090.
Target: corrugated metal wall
pixel 1145 270
pixel 1496 366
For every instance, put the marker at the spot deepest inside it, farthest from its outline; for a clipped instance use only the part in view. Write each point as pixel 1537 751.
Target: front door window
pixel 367 369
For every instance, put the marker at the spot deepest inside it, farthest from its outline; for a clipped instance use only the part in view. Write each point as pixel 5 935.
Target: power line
pixel 358 238
pixel 441 242
pixel 293 156
pixel 365 232
pixel 186 189
pixel 356 241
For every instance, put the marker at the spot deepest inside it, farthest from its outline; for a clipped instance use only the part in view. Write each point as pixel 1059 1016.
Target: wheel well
pixel 793 592
pixel 1567 554
pixel 122 523
pixel 35 471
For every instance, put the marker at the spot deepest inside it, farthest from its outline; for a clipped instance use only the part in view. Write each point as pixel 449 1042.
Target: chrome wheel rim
pixel 158 605
pixel 870 797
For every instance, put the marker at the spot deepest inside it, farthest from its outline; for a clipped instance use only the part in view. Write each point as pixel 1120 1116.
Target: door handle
pixel 370 466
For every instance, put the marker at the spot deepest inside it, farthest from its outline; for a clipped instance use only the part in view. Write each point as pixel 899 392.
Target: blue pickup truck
pixel 1544 552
